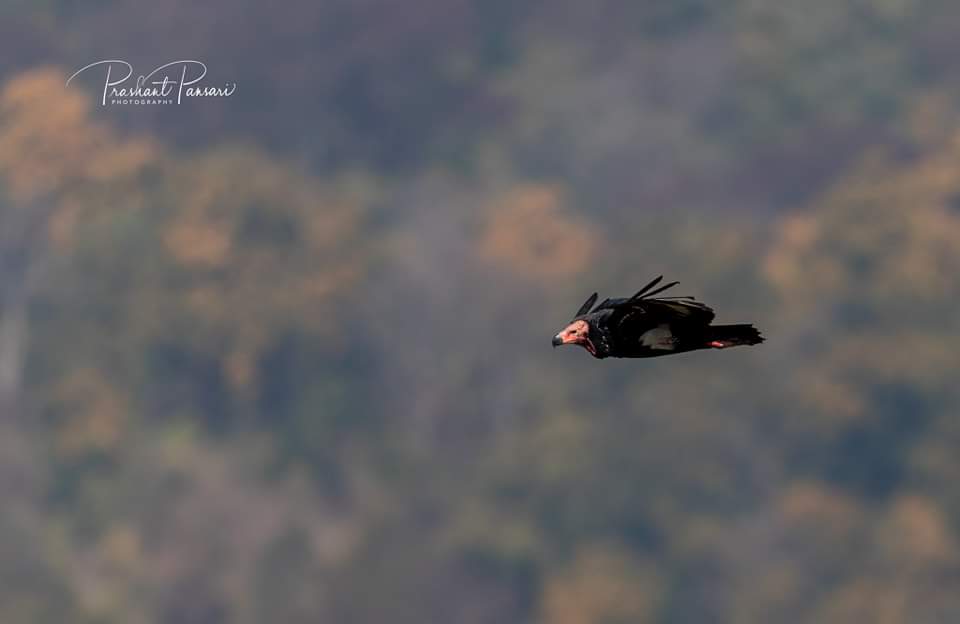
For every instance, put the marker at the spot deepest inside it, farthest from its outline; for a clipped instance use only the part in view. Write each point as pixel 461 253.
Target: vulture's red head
pixel 576 333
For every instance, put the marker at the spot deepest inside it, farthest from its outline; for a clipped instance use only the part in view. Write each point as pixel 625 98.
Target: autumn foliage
pixel 284 358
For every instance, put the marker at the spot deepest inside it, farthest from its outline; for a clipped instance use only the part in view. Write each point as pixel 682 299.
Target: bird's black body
pixel 644 326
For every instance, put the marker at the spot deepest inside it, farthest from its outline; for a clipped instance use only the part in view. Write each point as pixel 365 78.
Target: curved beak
pixel 557 341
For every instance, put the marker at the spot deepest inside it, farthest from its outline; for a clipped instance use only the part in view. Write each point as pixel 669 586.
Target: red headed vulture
pixel 645 326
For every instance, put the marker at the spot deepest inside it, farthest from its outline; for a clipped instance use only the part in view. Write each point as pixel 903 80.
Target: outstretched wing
pixel 643 311
pixel 655 312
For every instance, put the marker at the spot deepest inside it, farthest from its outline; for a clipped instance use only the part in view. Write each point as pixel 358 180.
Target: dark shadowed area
pixel 284 356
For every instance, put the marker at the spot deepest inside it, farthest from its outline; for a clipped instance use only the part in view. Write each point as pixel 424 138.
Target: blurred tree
pixel 50 154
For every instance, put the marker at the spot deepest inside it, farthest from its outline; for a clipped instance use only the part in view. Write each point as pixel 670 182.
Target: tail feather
pixel 723 336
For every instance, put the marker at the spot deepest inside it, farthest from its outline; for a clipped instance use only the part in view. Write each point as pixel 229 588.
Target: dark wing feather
pixel 653 283
pixel 586 305
pixel 661 310
pixel 646 293
pixel 656 311
pixel 660 290
pixel 685 309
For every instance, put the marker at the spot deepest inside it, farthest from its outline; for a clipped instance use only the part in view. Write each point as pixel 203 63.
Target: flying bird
pixel 644 326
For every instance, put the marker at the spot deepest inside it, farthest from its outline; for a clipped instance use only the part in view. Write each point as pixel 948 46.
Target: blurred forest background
pixel 284 356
